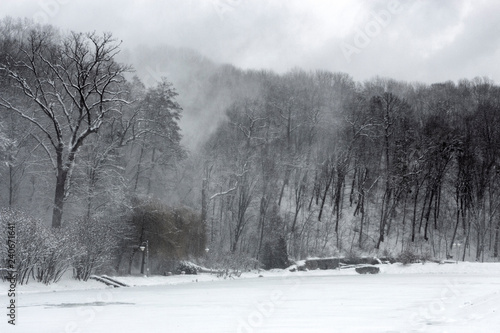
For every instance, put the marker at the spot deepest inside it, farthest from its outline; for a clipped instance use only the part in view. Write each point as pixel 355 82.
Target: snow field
pixel 462 297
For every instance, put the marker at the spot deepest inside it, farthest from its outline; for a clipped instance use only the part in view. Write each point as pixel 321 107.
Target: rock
pixel 328 263
pixel 360 261
pixel 388 260
pixel 367 270
pixel 302 268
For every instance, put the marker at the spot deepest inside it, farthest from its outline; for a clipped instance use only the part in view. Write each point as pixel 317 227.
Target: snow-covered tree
pixel 67 86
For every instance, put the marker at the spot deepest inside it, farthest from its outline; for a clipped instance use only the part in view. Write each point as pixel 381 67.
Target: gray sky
pixel 420 40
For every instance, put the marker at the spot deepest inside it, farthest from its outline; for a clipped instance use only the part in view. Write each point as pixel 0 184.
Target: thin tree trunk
pixel 384 215
pixel 497 239
pixel 327 187
pixel 262 218
pixel 139 167
pixel 11 183
pixel 151 170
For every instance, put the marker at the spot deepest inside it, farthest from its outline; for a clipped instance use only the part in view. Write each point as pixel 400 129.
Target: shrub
pixel 230 261
pixel 387 256
pixel 408 257
pixel 353 256
pixel 56 259
pixel 94 242
pixel 426 256
pixel 187 267
pixel 41 253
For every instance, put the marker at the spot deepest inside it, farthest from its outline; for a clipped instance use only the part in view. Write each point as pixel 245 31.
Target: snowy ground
pixel 415 298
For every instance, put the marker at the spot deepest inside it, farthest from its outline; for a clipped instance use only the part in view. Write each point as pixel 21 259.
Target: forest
pixel 313 163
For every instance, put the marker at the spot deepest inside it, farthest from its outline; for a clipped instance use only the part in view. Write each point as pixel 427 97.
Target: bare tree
pixel 71 84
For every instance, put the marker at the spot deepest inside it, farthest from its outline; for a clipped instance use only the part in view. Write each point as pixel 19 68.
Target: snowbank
pixel 67 283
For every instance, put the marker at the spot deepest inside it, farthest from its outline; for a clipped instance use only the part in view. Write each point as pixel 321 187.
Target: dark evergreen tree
pixel 275 255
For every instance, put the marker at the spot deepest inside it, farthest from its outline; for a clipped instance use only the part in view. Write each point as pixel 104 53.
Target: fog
pixel 428 41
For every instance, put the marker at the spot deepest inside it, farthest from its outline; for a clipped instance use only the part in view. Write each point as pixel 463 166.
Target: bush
pixel 388 256
pixel 94 242
pixel 408 257
pixel 426 256
pixel 222 261
pixel 353 255
pixel 42 253
pixel 187 267
pixel 57 257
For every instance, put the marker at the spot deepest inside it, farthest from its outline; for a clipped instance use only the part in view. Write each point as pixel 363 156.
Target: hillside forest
pixel 223 166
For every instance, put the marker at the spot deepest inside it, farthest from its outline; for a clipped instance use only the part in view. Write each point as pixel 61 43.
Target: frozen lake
pixel 441 300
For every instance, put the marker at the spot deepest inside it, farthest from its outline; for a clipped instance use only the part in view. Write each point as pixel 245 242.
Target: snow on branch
pixel 222 193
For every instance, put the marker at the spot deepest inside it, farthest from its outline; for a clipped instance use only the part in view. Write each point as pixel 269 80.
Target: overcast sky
pixel 419 40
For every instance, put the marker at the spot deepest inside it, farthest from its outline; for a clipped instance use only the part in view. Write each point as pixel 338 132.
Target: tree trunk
pixel 327 187
pixel 57 212
pixel 362 222
pixel 139 164
pixel 131 260
pixel 11 185
pixel 497 240
pixel 204 200
pixel 262 221
pixel 384 215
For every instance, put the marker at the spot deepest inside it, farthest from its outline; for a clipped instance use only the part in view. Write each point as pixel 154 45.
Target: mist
pixel 427 41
